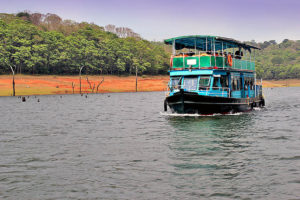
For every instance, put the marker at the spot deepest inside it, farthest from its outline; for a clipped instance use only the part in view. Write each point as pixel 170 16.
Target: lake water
pixel 123 146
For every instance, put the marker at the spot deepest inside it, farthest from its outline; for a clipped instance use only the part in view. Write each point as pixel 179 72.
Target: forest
pixel 278 61
pixel 35 43
pixel 46 44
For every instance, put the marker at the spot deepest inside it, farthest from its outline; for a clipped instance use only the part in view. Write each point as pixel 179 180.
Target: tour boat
pixel 212 74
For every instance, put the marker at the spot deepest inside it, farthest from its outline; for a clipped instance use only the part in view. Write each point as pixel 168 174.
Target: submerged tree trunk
pixel 136 79
pixel 73 86
pixel 13 81
pixel 14 90
pixel 80 68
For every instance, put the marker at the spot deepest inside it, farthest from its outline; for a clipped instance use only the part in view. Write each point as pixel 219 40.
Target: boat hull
pixel 190 102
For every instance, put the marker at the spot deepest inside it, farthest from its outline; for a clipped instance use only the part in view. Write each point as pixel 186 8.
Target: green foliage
pixel 46 44
pixel 62 47
pixel 278 61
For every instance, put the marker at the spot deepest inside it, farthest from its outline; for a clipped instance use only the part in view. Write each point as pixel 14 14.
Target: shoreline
pixel 27 85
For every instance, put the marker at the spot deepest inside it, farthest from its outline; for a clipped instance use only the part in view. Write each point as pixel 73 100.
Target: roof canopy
pixel 206 42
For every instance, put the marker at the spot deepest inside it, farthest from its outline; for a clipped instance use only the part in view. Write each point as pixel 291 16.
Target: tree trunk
pixel 80 81
pixel 80 68
pixel 73 86
pixel 136 79
pixel 13 82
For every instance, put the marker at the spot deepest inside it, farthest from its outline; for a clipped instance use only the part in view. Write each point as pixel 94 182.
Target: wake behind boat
pixel 212 74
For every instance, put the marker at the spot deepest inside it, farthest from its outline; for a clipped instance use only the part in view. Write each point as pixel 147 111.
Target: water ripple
pixel 124 147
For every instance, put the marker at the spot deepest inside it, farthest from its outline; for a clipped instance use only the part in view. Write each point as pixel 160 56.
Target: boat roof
pixel 200 41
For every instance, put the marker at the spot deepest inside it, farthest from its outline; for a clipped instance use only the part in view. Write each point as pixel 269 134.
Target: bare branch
pixel 73 86
pixel 87 79
pixel 99 84
pixel 93 88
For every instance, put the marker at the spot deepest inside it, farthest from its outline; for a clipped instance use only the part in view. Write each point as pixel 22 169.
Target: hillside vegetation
pixel 46 44
pixel 278 61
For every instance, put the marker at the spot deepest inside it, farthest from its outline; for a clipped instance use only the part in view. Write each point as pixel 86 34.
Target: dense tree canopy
pixel 278 61
pixel 45 44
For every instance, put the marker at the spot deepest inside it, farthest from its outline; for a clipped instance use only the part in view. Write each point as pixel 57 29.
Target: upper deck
pixel 202 61
pixel 202 51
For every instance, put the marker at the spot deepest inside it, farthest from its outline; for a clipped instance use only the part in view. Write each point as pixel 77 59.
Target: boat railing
pixel 209 91
pixel 207 61
pixel 217 91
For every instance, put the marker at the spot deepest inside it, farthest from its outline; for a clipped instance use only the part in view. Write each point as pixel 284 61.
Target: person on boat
pixel 190 53
pixel 204 54
pixel 182 54
pixel 209 53
pixel 239 54
pixel 246 85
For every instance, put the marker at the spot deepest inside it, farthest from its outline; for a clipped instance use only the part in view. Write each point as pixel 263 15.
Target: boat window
pixel 175 82
pixel 217 83
pixel 224 81
pixel 235 83
pixel 190 83
pixel 252 83
pixel 238 85
pixel 249 83
pixel 204 82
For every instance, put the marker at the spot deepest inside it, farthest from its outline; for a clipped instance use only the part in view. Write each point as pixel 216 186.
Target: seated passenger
pixel 183 54
pixel 239 54
pixel 204 54
pixel 190 53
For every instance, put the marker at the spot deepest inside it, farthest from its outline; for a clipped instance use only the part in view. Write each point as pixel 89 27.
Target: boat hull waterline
pixel 193 103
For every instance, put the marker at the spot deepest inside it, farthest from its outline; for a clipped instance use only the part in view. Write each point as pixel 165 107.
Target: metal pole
pixel 183 60
pixel 211 46
pixel 246 59
pixel 206 44
pixel 250 59
pixel 233 59
pixel 223 55
pixel 195 46
pixel 254 59
pixel 255 84
pixel 215 52
pixel 199 60
pixel 173 48
pixel 210 53
pixel 250 56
